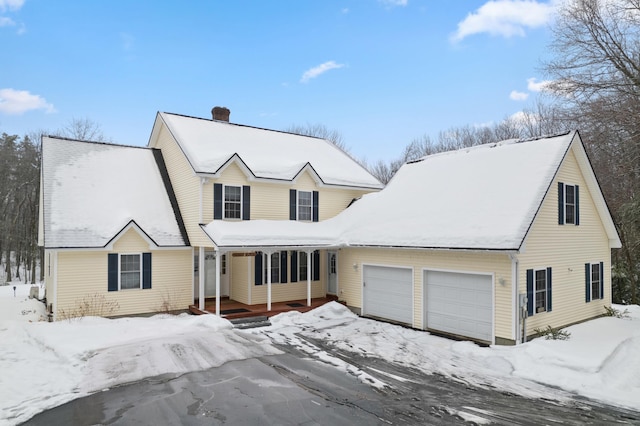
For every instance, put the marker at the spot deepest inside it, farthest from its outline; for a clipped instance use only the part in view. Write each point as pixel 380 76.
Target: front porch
pixel 231 309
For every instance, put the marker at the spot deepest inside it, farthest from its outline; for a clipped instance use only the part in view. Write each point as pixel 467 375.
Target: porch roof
pixel 263 234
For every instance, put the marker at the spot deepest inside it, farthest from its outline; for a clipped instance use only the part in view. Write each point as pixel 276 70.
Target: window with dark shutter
pixel 258 268
pixel 283 267
pixel 293 204
pixel 146 270
pixel 246 202
pixel 217 201
pixel 294 266
pixel 315 206
pixel 315 265
pixel 112 274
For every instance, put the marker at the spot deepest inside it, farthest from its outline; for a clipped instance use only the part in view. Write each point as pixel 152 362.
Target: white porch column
pixel 309 254
pixel 268 280
pixel 218 256
pixel 201 278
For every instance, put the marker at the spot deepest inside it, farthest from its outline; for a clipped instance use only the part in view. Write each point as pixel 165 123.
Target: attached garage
pixel 388 293
pixel 459 303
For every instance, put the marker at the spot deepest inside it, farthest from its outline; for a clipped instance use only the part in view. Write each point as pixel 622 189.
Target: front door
pixel 332 276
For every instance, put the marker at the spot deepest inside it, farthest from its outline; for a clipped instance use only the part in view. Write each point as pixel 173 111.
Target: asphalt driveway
pixel 291 389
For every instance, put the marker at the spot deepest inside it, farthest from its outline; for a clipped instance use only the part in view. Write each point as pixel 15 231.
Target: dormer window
pixel 232 202
pixel 568 204
pixel 304 205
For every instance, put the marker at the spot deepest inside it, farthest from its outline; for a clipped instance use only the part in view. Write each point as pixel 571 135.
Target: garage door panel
pixel 388 293
pixel 459 303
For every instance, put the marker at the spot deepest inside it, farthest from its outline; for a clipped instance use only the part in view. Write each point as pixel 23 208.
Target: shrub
pixel 95 305
pixel 550 333
pixel 610 311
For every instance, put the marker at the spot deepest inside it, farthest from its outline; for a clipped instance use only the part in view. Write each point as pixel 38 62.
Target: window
pixel 223 264
pixel 304 205
pixel 302 262
pixel 128 271
pixel 232 202
pixel 595 281
pixel 275 268
pixel 541 290
pixel 568 204
pixel 538 291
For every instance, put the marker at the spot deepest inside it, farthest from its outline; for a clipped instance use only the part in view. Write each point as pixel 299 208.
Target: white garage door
pixel 388 293
pixel 459 303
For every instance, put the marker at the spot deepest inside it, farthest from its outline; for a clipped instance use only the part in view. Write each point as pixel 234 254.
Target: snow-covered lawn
pixel 43 365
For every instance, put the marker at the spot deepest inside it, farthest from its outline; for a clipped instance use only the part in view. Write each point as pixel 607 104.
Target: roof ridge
pixel 63 138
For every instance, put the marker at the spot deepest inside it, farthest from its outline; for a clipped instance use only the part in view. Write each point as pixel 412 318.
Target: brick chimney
pixel 220 113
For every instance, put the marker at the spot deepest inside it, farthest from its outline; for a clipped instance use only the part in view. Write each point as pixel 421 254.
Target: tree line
pixel 19 198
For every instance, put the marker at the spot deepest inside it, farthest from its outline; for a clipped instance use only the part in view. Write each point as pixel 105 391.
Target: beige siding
pixel 566 248
pixel 186 186
pixel 83 274
pixel 350 276
pixel 270 200
pixel 239 280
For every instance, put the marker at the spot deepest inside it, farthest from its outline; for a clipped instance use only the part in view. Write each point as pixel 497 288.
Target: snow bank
pixel 47 364
pixel 599 361
pixel 20 307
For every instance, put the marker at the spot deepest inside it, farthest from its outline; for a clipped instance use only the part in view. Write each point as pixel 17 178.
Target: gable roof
pixel 93 191
pixel 211 145
pixel 480 198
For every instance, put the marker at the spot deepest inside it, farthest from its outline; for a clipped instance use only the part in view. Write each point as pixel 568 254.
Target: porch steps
pixel 250 322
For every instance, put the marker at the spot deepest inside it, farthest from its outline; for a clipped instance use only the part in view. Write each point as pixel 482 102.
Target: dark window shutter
pixel 560 203
pixel 530 301
pixel 316 265
pixel 315 206
pixel 246 202
pixel 601 280
pixel 146 270
pixel 549 290
pixel 293 200
pixel 217 201
pixel 283 266
pixel 258 268
pixel 587 282
pixel 294 266
pixel 577 204
pixel 112 275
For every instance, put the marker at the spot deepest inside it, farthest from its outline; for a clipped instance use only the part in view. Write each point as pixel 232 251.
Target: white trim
pixel 55 284
pixel 328 264
pixel 250 278
pixel 564 203
pixel 413 286
pixel 467 272
pixel 120 270
pixel 201 297
pixel 515 313
pixel 131 225
pixel 309 277
pixel 600 284
pixel 546 289
pixel 218 276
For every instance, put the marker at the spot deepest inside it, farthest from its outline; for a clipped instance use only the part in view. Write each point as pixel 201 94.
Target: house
pixel 124 223
pixel 487 243
pixel 470 242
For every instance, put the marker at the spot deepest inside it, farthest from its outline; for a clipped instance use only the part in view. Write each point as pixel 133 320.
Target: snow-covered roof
pixel 210 145
pixel 480 198
pixel 92 191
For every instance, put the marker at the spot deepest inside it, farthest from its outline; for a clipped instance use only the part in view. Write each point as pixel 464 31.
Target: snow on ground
pixel 45 364
pixel 599 361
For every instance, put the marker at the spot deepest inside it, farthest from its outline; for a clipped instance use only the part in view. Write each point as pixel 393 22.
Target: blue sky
pixel 382 73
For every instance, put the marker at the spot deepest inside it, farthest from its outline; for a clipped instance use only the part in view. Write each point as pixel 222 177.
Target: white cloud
pixel 518 96
pixel 320 69
pixel 11 4
pixel 393 3
pixel 6 22
pixel 505 18
pixel 345 11
pixel 16 102
pixel 539 86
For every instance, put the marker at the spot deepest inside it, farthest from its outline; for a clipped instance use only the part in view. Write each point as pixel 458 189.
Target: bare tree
pixel 319 131
pixel 83 129
pixel 596 78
